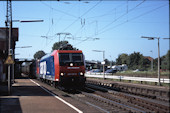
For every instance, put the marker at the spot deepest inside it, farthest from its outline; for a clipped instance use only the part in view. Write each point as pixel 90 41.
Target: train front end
pixel 71 68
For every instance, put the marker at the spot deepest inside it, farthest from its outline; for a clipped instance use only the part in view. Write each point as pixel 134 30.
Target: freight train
pixel 29 69
pixel 64 68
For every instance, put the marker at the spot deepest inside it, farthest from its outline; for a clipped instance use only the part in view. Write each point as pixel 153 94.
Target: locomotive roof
pixel 46 56
pixel 67 51
pixel 60 51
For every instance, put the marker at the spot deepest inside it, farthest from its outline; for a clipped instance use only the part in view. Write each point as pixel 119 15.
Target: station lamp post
pixel 26 21
pixel 24 47
pixel 102 62
pixel 152 61
pixel 152 38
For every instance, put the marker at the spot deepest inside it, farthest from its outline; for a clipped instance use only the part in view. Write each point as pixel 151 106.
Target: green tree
pixel 145 63
pixel 39 54
pixel 155 64
pixel 107 62
pixel 122 59
pixel 136 61
pixel 164 62
pixel 165 65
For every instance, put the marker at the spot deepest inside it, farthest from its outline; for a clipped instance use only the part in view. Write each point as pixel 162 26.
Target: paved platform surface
pixel 27 97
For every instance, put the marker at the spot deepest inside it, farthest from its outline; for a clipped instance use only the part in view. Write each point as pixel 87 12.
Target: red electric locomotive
pixel 63 67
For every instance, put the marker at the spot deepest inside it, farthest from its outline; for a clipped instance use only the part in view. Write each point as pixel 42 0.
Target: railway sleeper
pixel 149 103
pixel 133 90
pixel 110 102
pixel 150 93
pixel 149 107
pixel 120 101
pixel 139 99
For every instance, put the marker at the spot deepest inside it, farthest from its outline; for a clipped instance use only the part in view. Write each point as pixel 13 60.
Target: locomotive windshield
pixel 66 58
pixel 77 57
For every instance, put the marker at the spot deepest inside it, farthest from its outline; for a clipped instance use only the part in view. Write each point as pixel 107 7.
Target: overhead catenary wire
pixel 96 31
pixel 124 22
pixel 82 15
pixel 130 10
pixel 101 31
pixel 82 41
pixel 83 21
pixel 133 18
pixel 79 17
pixel 115 20
pixel 116 12
pixel 108 13
pixel 50 22
pixel 54 9
pixel 59 10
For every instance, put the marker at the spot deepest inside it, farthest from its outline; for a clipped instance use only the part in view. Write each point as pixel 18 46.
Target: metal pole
pixel 13 78
pixel 152 38
pixel 13 57
pixel 152 64
pixel 158 63
pixel 9 53
pixel 9 80
pixel 152 61
pixel 104 65
pixel 59 40
pixel 110 62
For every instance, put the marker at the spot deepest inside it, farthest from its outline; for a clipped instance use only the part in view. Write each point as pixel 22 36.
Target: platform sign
pixel 9 60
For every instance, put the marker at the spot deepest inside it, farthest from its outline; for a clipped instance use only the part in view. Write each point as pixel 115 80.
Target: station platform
pixel 28 97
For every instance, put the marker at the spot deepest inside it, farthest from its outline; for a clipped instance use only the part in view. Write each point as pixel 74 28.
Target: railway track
pixel 109 103
pixel 132 102
pixel 109 100
pixel 91 97
pixel 157 93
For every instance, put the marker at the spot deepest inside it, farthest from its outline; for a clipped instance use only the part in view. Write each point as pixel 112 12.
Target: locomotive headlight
pixel 62 74
pixel 71 64
pixel 81 73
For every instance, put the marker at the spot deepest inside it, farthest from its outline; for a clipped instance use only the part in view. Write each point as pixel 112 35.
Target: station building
pixel 4 34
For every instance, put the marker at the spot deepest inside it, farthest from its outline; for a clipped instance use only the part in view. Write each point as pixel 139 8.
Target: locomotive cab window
pixel 64 57
pixel 75 58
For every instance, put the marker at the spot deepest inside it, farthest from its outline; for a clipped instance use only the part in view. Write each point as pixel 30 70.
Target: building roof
pixel 149 58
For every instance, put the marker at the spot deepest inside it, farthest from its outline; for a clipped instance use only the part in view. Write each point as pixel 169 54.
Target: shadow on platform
pixel 10 105
pixel 28 91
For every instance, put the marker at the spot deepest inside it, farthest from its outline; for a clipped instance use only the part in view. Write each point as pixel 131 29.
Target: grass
pixel 165 74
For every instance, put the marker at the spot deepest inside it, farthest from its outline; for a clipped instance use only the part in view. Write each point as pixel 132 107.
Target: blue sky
pixel 119 26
